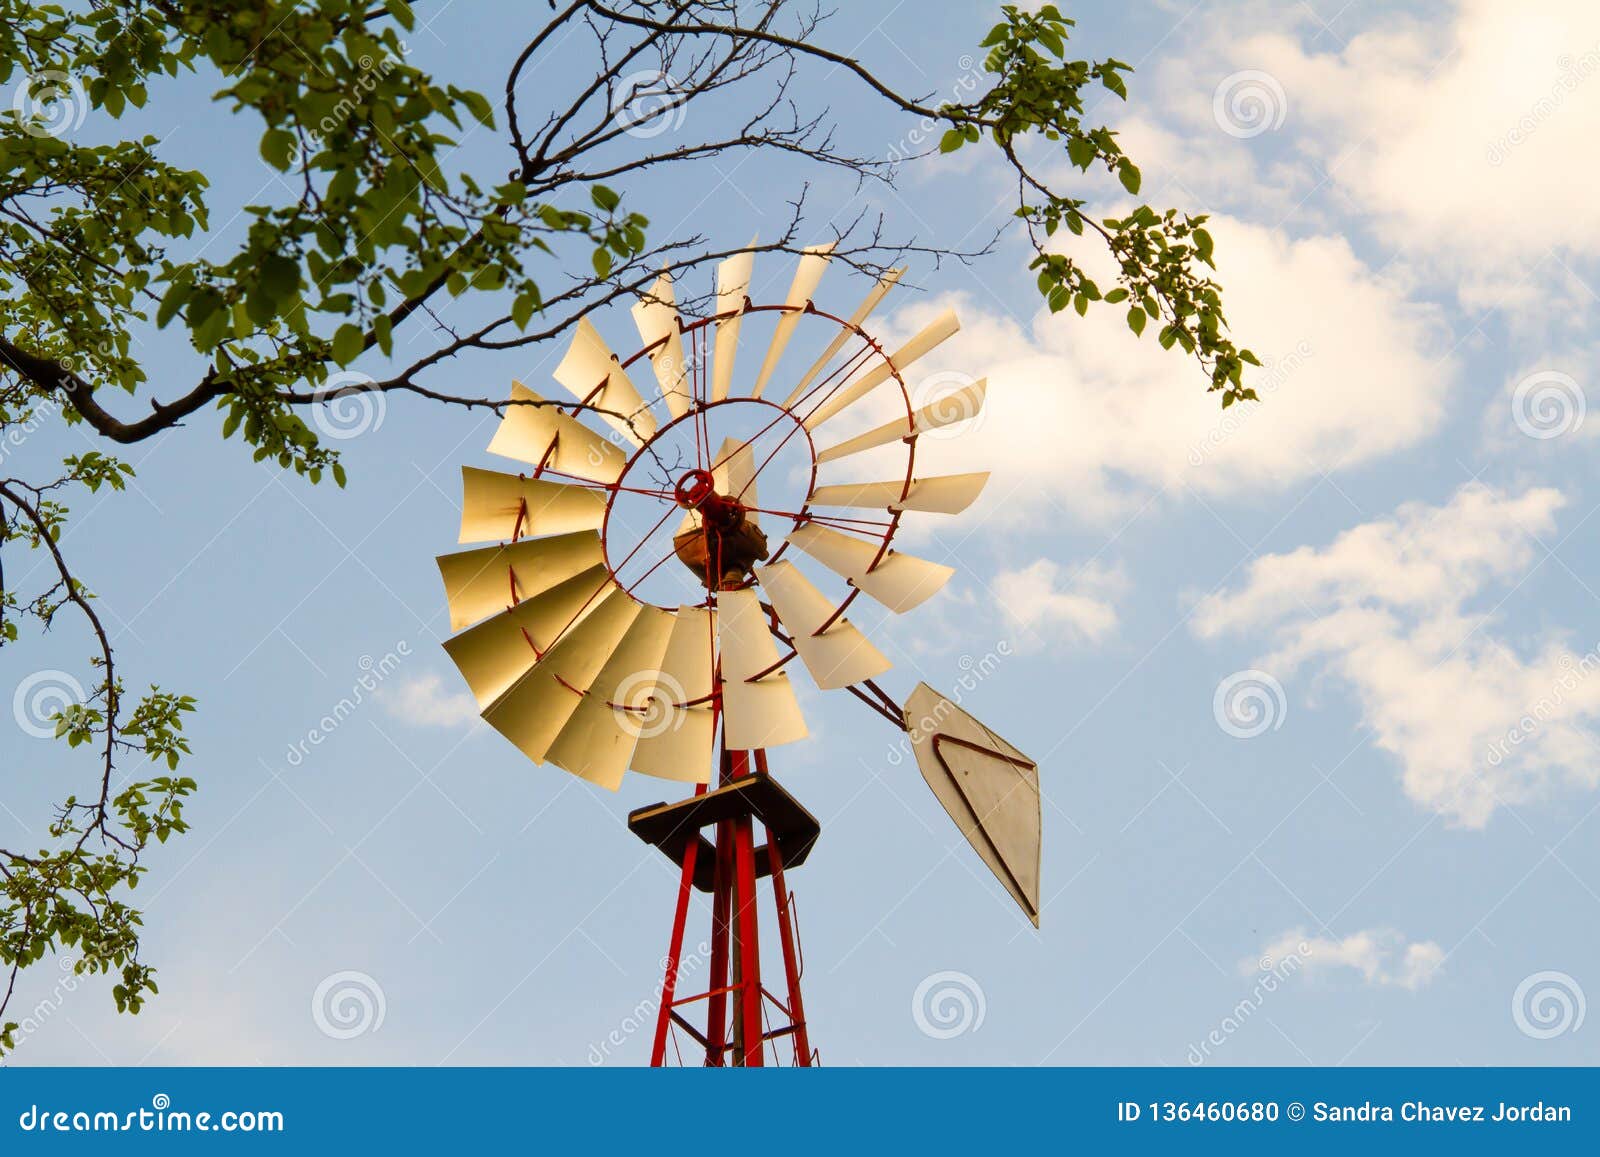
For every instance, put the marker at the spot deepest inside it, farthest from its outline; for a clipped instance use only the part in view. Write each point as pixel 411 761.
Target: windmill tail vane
pixel 647 590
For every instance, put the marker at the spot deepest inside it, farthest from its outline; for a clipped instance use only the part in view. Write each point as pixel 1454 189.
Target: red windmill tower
pixel 584 648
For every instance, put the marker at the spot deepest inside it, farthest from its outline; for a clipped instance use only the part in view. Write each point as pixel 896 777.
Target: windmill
pixel 659 569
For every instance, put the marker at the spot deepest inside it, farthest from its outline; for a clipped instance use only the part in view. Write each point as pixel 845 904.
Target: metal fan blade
pixel 946 494
pixel 958 406
pixel 885 283
pixel 990 789
pixel 733 287
pixel 503 506
pixel 899 581
pixel 656 315
pixel 755 712
pixel 481 582
pixel 942 327
pixel 806 276
pixel 734 472
pixel 592 374
pixel 537 706
pixel 500 650
pixel 838 656
pixel 598 741
pixel 546 435
pixel 678 741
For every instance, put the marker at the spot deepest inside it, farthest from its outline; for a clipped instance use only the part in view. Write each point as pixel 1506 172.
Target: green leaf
pixel 401 11
pixel 478 105
pixel 278 148
pixel 1128 173
pixel 952 140
pixel 348 342
pixel 280 277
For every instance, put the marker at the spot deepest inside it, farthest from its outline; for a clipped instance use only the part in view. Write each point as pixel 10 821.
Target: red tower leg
pixel 749 986
pixel 735 1003
pixel 669 982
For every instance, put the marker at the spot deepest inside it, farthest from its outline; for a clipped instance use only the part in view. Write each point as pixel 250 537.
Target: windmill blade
pixel 885 283
pixel 942 327
pixel 593 375
pixel 958 406
pixel 899 581
pixel 678 741
pixel 738 461
pixel 534 709
pixel 946 494
pixel 733 287
pixel 547 436
pixel 990 789
pixel 806 276
pixel 498 651
pixel 755 712
pixel 481 582
pixel 505 506
pixel 734 472
pixel 656 315
pixel 598 741
pixel 836 657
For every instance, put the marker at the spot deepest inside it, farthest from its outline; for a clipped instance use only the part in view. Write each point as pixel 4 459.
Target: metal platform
pixel 671 826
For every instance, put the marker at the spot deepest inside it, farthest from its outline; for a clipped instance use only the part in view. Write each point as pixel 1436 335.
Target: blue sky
pixel 1391 558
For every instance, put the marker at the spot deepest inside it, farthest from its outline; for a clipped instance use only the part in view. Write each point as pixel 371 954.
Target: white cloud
pixel 1382 956
pixel 424 701
pixel 1466 141
pixel 1084 416
pixel 1043 603
pixel 1388 609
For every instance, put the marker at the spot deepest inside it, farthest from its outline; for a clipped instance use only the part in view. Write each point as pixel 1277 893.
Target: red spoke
pixel 847 368
pixel 660 522
pixel 824 518
pixel 655 567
